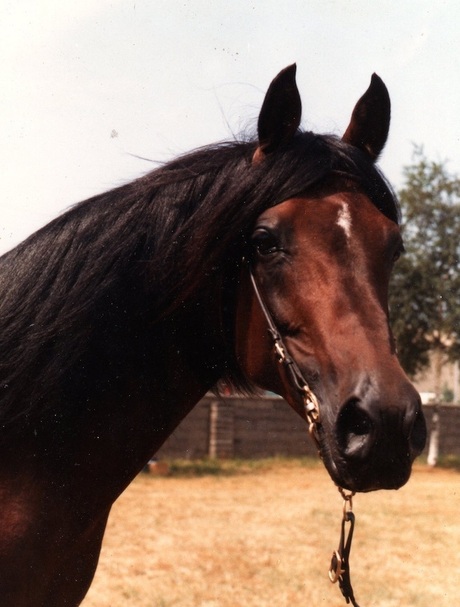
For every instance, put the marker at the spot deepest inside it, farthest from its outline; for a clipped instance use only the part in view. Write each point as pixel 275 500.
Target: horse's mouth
pixel 368 474
pixel 366 479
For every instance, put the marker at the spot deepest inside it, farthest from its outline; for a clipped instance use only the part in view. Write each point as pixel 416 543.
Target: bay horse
pixel 119 315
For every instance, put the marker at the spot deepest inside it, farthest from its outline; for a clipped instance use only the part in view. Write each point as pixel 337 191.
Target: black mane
pixel 136 255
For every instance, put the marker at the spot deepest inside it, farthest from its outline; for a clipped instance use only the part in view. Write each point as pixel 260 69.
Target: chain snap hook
pixel 340 568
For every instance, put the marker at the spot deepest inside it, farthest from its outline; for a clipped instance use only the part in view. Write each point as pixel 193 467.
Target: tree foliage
pixel 425 288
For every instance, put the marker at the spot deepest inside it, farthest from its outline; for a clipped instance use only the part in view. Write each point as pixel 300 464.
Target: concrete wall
pixel 264 427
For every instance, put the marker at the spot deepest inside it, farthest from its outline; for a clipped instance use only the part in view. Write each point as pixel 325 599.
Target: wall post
pixel 221 430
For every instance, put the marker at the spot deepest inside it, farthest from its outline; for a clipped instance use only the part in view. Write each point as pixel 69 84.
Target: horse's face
pixel 323 267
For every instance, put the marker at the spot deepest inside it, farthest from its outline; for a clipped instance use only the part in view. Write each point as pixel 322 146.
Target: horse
pixel 120 314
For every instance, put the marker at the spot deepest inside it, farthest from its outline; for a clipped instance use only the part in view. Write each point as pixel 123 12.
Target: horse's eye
pixel 264 242
pixel 397 254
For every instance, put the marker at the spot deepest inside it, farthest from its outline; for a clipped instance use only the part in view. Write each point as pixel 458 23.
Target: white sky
pixel 87 85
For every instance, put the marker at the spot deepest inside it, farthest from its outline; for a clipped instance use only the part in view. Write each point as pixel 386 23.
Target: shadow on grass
pixel 452 462
pixel 444 462
pixel 197 468
pixel 183 468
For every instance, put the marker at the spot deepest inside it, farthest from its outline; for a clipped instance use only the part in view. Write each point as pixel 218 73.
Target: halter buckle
pixel 279 351
pixel 311 406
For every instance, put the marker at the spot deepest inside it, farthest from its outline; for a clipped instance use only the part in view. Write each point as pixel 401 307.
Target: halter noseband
pixel 298 381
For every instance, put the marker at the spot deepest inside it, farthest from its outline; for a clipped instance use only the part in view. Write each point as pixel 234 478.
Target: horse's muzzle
pixel 377 441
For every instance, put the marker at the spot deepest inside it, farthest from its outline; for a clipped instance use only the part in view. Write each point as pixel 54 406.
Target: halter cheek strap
pixel 297 380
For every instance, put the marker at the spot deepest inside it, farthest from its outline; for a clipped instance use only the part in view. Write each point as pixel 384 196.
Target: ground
pixel 263 536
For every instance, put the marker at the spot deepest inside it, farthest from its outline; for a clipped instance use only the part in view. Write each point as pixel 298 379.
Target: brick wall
pixel 264 427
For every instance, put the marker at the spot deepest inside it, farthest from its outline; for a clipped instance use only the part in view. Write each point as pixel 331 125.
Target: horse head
pixel 322 261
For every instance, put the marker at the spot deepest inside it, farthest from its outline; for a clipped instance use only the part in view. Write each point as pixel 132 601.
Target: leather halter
pixel 297 380
pixel 340 567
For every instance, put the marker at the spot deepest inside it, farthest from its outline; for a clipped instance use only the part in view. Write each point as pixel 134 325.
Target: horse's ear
pixel 370 121
pixel 279 117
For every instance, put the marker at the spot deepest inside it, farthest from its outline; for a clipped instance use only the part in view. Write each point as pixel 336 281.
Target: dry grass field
pixel 262 536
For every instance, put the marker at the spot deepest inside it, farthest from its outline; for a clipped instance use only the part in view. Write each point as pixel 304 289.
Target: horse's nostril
pixel 354 430
pixel 418 433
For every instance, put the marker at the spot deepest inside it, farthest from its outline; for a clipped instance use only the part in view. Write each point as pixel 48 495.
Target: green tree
pixel 425 288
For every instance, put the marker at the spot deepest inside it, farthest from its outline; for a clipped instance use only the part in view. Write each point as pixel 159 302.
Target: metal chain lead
pixel 311 408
